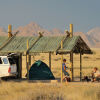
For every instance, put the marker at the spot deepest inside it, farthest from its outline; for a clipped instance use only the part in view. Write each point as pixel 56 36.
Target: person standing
pixel 65 71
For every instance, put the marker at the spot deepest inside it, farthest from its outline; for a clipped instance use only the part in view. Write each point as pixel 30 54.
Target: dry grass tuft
pixel 49 91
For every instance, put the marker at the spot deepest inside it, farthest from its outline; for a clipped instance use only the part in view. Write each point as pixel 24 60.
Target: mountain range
pixel 91 37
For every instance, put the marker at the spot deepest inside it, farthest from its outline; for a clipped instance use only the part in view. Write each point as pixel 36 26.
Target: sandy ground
pixel 25 90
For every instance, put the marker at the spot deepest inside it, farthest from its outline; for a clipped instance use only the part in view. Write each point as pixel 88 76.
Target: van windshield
pixel 11 61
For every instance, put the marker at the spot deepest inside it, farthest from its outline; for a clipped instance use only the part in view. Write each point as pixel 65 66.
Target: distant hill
pixel 84 37
pixel 32 29
pixel 2 32
pixel 94 37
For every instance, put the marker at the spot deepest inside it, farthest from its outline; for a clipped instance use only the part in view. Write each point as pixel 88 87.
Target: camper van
pixel 8 66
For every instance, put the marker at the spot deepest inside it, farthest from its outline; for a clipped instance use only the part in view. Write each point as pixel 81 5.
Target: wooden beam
pixel 71 66
pixel 50 60
pixel 8 41
pixel 29 48
pixel 59 46
pixel 80 66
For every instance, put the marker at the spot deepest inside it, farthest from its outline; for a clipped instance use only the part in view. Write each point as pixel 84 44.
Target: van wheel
pixel 4 78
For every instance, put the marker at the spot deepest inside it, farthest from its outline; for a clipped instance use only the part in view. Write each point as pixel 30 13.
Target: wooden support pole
pixel 50 60
pixel 61 61
pixel 71 30
pixel 27 65
pixel 80 66
pixel 27 44
pixel 71 66
pixel 27 60
pixel 9 30
pixel 20 67
pixel 33 59
pixel 71 54
pixel 30 60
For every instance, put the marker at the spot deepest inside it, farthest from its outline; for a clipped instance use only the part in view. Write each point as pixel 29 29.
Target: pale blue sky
pixel 84 14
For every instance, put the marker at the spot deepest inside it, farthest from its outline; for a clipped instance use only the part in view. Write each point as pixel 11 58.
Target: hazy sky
pixel 84 14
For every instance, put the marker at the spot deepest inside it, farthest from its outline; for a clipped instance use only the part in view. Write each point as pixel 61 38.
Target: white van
pixel 8 66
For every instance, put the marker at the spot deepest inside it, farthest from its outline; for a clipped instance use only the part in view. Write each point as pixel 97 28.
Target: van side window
pixel 0 61
pixel 5 60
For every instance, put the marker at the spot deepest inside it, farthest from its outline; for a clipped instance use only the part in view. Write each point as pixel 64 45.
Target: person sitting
pixel 95 74
pixel 64 69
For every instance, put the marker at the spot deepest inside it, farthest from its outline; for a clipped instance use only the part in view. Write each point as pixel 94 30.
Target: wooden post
pixel 33 59
pixel 71 30
pixel 71 54
pixel 27 60
pixel 61 61
pixel 80 66
pixel 9 30
pixel 30 60
pixel 50 60
pixel 20 66
pixel 71 66
pixel 27 65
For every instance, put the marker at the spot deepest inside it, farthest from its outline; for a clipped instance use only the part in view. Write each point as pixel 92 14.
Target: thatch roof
pixel 2 40
pixel 75 44
pixel 18 44
pixel 47 44
pixel 43 44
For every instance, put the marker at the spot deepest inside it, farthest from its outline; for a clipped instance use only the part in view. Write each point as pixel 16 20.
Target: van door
pixel 4 66
pixel 12 65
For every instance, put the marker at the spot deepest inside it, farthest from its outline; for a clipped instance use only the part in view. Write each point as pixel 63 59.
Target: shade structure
pixel 40 71
pixel 44 44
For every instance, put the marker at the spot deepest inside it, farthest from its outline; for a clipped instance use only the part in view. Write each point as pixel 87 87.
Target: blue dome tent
pixel 40 71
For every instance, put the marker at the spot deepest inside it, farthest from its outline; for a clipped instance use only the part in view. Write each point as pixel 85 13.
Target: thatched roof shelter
pixel 45 44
